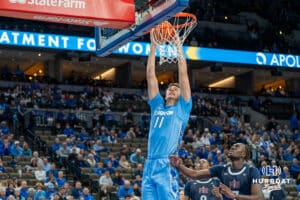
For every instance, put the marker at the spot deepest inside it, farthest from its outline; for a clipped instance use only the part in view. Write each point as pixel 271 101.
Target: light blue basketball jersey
pixel 167 126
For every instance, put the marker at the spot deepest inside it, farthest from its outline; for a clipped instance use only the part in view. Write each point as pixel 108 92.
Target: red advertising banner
pixel 104 13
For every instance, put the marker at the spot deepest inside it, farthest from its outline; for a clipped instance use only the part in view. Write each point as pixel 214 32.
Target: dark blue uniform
pixel 200 189
pixel 239 181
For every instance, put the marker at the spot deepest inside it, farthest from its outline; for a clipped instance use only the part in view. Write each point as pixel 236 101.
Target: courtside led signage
pixel 75 43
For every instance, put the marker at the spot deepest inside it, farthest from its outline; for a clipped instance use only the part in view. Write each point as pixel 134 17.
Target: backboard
pixel 148 13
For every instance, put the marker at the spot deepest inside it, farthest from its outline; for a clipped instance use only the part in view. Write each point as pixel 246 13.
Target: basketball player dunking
pixel 168 121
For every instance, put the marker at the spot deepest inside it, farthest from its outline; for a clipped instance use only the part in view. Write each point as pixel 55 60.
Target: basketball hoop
pixel 164 36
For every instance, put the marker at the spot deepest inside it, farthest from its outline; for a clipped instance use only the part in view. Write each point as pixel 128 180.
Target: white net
pixel 164 35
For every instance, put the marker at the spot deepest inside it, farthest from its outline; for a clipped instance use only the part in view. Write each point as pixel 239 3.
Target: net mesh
pixel 164 36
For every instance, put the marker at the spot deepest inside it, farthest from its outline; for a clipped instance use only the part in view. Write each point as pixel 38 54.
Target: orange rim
pixel 181 15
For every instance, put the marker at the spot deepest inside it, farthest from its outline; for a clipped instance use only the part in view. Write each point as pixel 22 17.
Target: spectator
pixel 205 138
pixel 60 180
pixel 137 157
pixel 99 169
pixel 91 161
pixel 109 119
pixel 295 168
pixel 63 153
pixel 16 150
pixel 98 147
pixel 117 179
pixel 112 138
pixel 125 151
pixel 2 193
pixel 32 167
pixel 106 182
pixel 26 150
pixel 50 180
pixel 138 171
pixel 39 193
pixel 294 122
pixel 4 129
pixel 46 165
pixel 37 158
pixel 110 168
pixel 80 162
pixel 10 190
pixel 111 158
pixel 50 191
pixel 24 190
pixel 86 194
pixel 77 190
pixel 285 174
pixel 124 162
pixel 56 145
pixel 189 138
pixel 2 168
pixel 40 174
pixel 31 193
pixel 125 190
pixel 84 136
pixel 53 170
pixel 138 180
pixel 61 193
pixel 130 133
pixel 68 131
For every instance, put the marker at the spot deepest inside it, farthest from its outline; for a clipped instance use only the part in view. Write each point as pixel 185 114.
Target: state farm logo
pixel 18 1
pixel 80 4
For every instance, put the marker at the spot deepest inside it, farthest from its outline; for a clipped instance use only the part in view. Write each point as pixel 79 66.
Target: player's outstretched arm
pixel 194 174
pixel 183 77
pixel 151 76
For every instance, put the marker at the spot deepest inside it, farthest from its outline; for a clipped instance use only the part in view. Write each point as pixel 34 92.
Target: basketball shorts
pixel 160 180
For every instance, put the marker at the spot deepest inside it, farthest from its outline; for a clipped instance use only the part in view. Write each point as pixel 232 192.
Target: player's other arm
pixel 151 76
pixel 256 193
pixel 183 77
pixel 194 174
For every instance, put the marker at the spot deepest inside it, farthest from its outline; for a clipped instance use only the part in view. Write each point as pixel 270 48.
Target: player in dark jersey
pixel 239 179
pixel 204 189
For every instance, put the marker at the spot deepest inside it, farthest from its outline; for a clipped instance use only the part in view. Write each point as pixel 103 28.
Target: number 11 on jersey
pixel 158 122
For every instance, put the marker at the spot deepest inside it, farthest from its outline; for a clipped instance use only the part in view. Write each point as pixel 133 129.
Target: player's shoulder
pixel 216 181
pixel 157 99
pixel 191 182
pixel 183 101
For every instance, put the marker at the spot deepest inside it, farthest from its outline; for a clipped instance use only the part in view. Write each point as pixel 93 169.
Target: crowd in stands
pixel 86 126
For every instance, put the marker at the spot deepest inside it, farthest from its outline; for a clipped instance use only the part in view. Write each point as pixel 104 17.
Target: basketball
pixel 163 32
